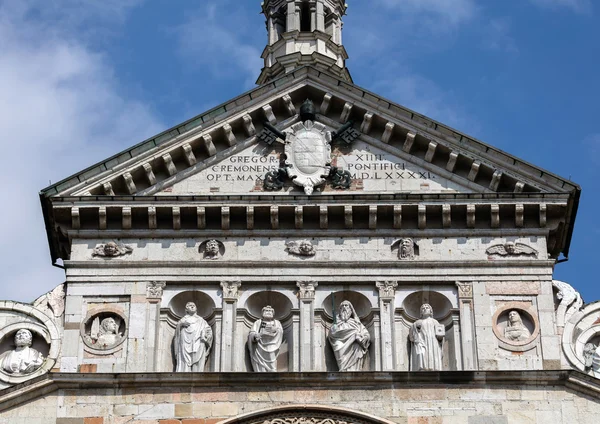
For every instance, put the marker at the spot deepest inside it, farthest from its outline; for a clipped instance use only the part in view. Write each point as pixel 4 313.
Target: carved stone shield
pixel 308 153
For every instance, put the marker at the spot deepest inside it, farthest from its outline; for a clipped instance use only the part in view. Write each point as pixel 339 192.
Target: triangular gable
pixel 372 169
pixel 158 163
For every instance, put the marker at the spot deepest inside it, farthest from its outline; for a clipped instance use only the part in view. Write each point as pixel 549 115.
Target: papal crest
pixel 308 153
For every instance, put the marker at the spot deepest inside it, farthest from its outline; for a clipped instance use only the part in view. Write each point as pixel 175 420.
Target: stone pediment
pixel 399 134
pixel 372 170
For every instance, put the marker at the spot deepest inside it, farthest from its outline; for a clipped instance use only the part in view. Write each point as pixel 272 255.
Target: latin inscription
pixel 360 166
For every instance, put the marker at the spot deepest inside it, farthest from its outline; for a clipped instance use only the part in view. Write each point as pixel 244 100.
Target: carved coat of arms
pixel 308 153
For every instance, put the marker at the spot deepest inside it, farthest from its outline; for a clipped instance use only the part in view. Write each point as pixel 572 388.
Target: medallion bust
pixel 349 339
pixel 515 329
pixel 192 341
pixel 24 359
pixel 264 341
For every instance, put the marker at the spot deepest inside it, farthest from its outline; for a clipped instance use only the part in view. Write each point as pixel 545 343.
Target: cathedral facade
pixel 308 252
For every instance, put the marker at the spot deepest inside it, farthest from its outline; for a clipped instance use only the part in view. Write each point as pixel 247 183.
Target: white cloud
pixel 579 6
pixel 60 111
pixel 443 11
pixel 216 38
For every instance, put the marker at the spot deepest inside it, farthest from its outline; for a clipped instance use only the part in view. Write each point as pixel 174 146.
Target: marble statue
pixel 426 335
pixel 104 334
pixel 24 359
pixel 264 341
pixel 192 341
pixel 349 339
pixel 515 329
pixel 570 302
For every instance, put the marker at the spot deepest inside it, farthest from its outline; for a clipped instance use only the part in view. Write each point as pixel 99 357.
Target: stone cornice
pixel 573 380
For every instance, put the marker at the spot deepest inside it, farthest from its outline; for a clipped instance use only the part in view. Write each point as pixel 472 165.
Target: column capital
pixel 465 289
pixel 154 290
pixel 387 289
pixel 307 289
pixel 230 289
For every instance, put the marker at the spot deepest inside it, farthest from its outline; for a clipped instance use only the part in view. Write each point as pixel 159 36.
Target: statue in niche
pixel 515 329
pixel 192 341
pixel 301 248
pixel 264 341
pixel 212 250
pixel 511 249
pixel 111 250
pixel 426 336
pixel 349 339
pixel 24 359
pixel 104 334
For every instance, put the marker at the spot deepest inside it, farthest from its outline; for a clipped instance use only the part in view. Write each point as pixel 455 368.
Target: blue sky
pixel 84 79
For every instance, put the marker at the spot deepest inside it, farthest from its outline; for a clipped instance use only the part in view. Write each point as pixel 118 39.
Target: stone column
pixel 387 294
pixel 320 12
pixel 467 326
pixel 306 294
pixel 293 16
pixel 230 298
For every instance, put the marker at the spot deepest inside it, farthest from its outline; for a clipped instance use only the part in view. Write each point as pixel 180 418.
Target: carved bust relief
pixel 301 248
pixel 515 330
pixel 516 326
pixel 511 249
pixel 23 359
pixel 407 249
pixel 111 250
pixel 104 331
pixel 212 249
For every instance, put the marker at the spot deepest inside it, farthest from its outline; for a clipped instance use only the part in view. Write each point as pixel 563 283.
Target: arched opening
pixel 305 25
pixel 321 414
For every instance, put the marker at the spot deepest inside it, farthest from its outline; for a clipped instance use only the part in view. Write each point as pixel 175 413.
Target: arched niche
pixel 279 302
pixel 251 311
pixel 412 304
pixel 444 312
pixel 361 303
pixel 302 413
pixel 204 303
pixel 364 310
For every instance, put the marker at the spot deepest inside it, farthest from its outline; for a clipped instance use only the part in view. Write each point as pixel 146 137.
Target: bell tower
pixel 304 32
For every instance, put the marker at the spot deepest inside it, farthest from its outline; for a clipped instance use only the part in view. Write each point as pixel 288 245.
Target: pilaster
pixel 387 294
pixel 306 295
pixel 467 326
pixel 230 298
